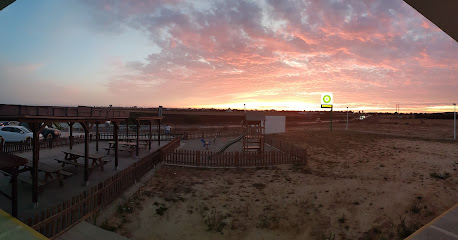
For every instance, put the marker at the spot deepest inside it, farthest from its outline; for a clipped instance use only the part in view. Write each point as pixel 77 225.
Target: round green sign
pixel 327 98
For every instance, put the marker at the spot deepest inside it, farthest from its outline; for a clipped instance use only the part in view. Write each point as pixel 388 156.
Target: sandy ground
pixel 356 185
pixel 216 145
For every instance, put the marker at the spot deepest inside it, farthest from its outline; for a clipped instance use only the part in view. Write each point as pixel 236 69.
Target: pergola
pixel 9 164
pixel 38 117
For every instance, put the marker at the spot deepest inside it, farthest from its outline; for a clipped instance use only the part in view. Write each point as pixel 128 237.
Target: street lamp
pixel 454 121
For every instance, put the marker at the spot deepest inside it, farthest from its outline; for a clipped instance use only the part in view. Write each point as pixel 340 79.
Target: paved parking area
pixel 444 227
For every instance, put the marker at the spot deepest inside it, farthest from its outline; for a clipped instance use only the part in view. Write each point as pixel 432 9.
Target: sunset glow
pixel 266 54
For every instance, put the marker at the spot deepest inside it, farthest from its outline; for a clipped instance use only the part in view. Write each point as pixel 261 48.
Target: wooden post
pixel 115 138
pixel 138 135
pixel 127 129
pixel 159 132
pixel 236 161
pixel 86 152
pixel 35 158
pixel 70 138
pixel 14 174
pixel 272 158
pixel 96 136
pixel 149 140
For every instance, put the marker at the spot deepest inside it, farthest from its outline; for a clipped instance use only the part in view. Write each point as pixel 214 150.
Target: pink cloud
pixel 238 47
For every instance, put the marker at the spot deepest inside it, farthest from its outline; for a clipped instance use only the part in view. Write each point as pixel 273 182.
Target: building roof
pixel 10 161
pixel 255 116
pixel 441 13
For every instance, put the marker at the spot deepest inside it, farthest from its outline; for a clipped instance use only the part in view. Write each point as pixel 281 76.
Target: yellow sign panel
pixel 326 105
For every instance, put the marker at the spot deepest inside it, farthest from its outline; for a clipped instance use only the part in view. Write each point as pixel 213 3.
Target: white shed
pixel 275 124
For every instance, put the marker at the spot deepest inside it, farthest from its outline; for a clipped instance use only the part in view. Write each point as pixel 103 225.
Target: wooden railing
pixel 87 205
pixel 18 147
pixel 121 136
pixel 183 135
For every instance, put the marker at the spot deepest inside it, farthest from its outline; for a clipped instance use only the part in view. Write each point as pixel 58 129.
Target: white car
pixel 16 134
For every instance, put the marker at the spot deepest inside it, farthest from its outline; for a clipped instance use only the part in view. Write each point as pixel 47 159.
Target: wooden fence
pixel 285 146
pixel 18 147
pixel 87 205
pixel 287 154
pixel 207 159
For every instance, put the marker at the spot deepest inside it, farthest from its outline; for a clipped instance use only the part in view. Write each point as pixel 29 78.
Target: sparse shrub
pixel 125 208
pixel 445 175
pixel 161 210
pixel 331 236
pixel 415 208
pixel 105 225
pixel 259 186
pixel 215 221
pixel 404 230
pixel 268 222
pixel 342 219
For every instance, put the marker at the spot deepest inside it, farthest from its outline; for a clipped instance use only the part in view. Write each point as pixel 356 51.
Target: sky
pixel 267 54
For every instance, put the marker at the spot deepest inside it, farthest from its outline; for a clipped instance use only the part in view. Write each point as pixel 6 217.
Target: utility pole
pixel 454 121
pixel 346 128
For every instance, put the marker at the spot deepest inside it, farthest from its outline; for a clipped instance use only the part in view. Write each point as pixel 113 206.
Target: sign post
pixel 326 102
pixel 331 118
pixel 346 127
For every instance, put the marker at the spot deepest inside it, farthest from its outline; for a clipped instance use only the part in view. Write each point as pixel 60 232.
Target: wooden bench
pixel 121 149
pixel 129 150
pixel 63 161
pixel 108 150
pixel 66 174
pixel 28 180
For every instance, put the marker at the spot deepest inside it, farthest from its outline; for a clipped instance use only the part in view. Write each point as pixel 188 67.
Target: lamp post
pixel 346 128
pixel 454 121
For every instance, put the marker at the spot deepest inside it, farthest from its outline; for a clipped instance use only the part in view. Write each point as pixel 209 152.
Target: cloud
pixel 221 50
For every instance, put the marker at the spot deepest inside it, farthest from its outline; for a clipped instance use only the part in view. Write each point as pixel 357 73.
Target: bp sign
pixel 326 100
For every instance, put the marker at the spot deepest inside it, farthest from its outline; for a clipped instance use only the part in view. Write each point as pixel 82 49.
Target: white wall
pixel 275 124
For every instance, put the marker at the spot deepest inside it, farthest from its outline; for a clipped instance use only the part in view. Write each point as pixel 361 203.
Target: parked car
pixel 16 134
pixel 47 132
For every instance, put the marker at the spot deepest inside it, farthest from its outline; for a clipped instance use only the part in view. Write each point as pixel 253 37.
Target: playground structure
pixel 253 140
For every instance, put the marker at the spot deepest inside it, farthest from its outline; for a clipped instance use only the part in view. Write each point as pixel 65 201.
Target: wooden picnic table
pixel 124 146
pixel 52 173
pixel 72 156
pixel 127 144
